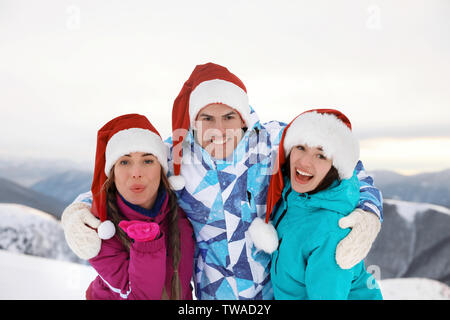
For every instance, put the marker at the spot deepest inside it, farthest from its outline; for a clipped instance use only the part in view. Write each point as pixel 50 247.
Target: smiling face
pixel 137 176
pixel 219 129
pixel 308 167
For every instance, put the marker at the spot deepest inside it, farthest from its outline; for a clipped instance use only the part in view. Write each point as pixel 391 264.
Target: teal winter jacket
pixel 304 266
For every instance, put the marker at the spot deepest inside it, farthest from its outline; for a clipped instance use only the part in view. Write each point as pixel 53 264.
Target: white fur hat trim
pixel 327 131
pixel 219 91
pixel 135 140
pixel 263 235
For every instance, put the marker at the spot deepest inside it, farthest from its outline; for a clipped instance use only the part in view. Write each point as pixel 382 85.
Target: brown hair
pixel 173 235
pixel 329 178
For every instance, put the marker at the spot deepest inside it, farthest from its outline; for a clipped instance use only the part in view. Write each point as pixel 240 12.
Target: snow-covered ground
pixel 34 232
pixel 36 278
pixel 36 263
pixel 25 277
pixel 414 289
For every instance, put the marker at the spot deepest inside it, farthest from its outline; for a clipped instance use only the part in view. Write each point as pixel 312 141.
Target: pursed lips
pixel 137 188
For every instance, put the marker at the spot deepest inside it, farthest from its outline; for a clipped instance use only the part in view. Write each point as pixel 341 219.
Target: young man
pixel 221 159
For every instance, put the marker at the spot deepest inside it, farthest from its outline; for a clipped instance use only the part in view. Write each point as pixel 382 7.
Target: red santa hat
pixel 120 136
pixel 208 84
pixel 327 128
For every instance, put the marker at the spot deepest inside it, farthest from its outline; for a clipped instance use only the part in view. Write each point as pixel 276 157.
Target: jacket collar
pixel 134 212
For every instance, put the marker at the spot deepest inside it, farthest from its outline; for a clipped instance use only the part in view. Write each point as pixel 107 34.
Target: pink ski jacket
pixel 146 270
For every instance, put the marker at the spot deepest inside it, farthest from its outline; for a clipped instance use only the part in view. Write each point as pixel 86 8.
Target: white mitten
pixel 356 245
pixel 83 240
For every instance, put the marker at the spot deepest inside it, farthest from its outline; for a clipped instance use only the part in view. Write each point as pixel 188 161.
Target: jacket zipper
pixel 278 255
pixel 285 210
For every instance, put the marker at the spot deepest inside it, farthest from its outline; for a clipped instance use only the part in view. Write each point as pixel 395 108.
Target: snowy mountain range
pixel 414 241
pixel 11 192
pixel 63 181
pixel 29 171
pixel 65 186
pixel 431 187
pixel 45 185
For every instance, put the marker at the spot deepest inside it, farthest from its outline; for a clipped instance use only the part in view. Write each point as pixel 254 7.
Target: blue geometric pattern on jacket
pixel 221 198
pixel 371 198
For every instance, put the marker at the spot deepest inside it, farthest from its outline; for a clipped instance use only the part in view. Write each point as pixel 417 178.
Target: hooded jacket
pixel 146 270
pixel 304 266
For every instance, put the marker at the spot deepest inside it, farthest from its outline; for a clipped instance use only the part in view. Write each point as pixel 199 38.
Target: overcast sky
pixel 68 67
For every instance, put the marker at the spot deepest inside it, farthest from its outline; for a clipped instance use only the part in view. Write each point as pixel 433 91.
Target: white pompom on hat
pixel 264 235
pixel 106 230
pixel 177 182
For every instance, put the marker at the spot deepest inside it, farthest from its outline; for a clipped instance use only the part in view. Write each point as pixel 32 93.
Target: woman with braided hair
pixel 147 242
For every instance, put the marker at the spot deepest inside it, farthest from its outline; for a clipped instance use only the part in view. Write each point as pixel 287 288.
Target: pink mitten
pixel 139 230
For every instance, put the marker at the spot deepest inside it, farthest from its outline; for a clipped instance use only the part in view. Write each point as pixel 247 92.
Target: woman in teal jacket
pixel 315 187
